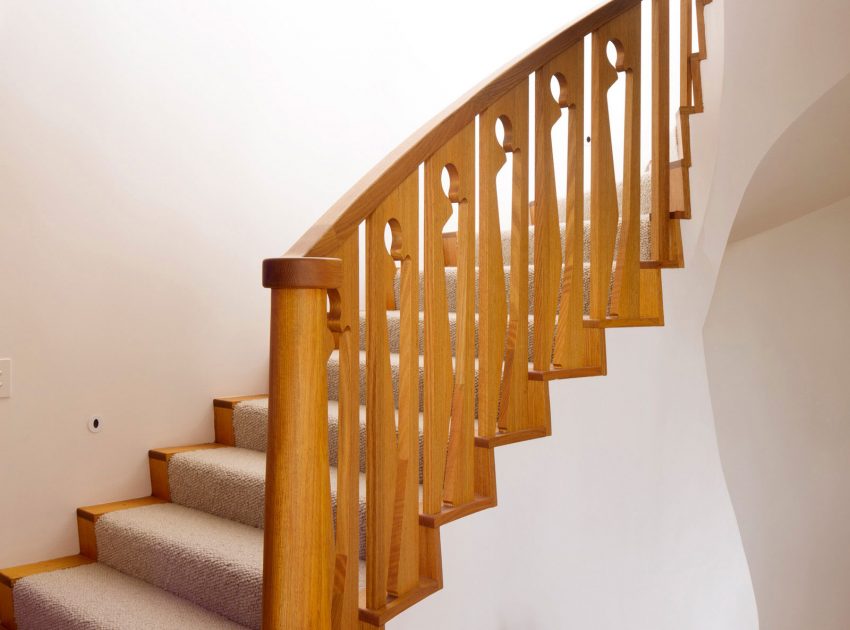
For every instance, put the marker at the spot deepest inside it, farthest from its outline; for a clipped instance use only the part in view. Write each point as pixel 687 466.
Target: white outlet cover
pixel 95 424
pixel 5 378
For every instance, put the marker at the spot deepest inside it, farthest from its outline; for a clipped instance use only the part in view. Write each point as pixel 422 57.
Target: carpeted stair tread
pixel 231 483
pixel 645 243
pixel 210 561
pixel 97 597
pixel 451 287
pixel 250 421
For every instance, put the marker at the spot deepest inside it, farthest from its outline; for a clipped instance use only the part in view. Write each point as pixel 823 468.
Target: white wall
pixel 154 153
pixel 777 348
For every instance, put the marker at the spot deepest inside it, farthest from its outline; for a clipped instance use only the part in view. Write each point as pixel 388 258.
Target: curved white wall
pixel 773 336
pixel 777 348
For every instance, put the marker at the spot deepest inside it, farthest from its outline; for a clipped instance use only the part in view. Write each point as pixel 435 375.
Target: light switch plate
pixel 5 378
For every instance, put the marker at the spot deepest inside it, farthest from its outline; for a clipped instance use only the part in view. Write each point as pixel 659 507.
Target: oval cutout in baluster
pixel 450 180
pixel 560 138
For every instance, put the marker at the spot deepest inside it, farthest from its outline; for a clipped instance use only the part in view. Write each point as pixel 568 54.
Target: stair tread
pixel 230 483
pixel 210 561
pixel 97 597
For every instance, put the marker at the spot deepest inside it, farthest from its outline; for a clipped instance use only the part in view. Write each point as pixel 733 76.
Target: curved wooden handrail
pixel 331 230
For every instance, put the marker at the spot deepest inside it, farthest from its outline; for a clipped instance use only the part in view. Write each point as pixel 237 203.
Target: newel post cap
pixel 302 273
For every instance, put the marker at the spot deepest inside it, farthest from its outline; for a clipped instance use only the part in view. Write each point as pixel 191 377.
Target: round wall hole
pixel 95 424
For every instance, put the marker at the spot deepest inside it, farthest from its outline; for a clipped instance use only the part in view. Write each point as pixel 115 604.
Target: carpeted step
pixel 333 378
pixel 250 426
pixel 210 561
pixel 231 483
pixel 97 597
pixel 645 242
pixel 645 212
pixel 451 288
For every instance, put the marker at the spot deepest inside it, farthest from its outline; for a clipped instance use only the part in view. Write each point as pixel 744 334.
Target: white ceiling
pixel 808 168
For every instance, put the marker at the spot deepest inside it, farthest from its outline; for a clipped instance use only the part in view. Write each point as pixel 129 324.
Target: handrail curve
pixel 343 217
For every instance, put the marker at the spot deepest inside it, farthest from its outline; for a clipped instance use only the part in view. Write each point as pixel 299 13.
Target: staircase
pixel 320 505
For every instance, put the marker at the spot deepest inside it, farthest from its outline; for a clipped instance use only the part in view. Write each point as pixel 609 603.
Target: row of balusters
pixel 508 396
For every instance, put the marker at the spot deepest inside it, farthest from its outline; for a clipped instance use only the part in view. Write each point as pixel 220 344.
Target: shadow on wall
pixel 776 347
pixel 805 169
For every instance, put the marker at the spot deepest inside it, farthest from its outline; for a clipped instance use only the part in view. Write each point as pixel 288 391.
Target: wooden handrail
pixel 331 230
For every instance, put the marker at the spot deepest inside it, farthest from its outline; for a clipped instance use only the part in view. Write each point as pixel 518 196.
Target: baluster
pixel 660 232
pixel 576 347
pixel 685 46
pixel 503 345
pixel 547 229
pixel 345 304
pixel 392 445
pixel 449 400
pixel 680 193
pixel 298 554
pixel 624 31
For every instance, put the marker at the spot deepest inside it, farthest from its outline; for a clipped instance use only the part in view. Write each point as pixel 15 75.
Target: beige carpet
pixel 95 597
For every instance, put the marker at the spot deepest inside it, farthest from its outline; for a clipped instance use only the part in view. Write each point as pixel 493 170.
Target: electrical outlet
pixel 5 378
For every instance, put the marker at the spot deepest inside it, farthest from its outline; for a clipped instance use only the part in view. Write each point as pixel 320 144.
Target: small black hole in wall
pixel 96 423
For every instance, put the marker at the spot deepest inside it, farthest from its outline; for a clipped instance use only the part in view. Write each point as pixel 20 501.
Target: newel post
pixel 298 550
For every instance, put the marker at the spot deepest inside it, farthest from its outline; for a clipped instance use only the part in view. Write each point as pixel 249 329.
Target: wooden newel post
pixel 298 551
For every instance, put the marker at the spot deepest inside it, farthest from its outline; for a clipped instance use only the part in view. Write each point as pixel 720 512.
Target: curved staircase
pixel 405 400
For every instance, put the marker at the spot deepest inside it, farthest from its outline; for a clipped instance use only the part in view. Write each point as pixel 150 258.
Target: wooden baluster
pixel 404 548
pixel 345 302
pixel 576 347
pixel 683 130
pixel 685 46
pixel 698 56
pixel 547 229
pixel 624 31
pixel 449 402
pixel 660 232
pixel 298 554
pixel 503 347
pixel 392 445
pixel 680 194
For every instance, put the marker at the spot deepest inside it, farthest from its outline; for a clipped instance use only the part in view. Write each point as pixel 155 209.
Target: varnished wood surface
pixel 93 512
pixel 345 605
pixel 397 605
pixel 298 550
pixel 392 445
pixel 449 391
pixel 501 382
pixel 9 576
pixel 557 374
pixel 509 437
pixel 302 273
pixel 231 402
pixel 659 229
